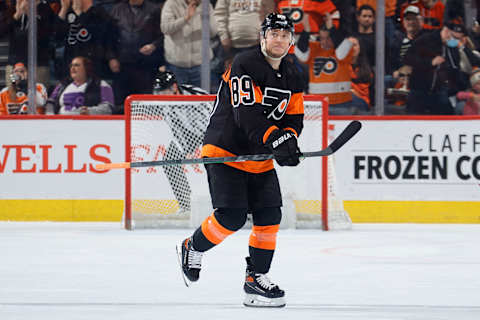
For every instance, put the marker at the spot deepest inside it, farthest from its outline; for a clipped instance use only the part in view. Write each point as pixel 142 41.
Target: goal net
pixel 172 127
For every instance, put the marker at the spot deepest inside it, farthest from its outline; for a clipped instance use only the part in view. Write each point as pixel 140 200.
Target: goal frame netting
pixel 128 217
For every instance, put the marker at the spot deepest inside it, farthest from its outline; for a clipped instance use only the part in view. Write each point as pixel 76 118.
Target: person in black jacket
pixel 435 61
pixel 85 30
pixel 138 49
pixel 17 29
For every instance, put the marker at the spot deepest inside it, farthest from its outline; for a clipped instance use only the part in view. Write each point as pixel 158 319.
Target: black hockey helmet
pixel 164 80
pixel 277 21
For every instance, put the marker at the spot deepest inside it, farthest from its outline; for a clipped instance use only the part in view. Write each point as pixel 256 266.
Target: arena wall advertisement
pixel 394 170
pixel 47 169
pixel 411 170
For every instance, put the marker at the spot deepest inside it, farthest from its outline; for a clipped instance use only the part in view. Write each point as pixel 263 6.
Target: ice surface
pixel 99 271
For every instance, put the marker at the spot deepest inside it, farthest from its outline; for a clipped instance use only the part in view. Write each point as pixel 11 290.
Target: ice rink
pixel 99 271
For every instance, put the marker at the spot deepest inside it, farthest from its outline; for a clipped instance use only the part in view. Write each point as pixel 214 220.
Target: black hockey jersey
pixel 253 100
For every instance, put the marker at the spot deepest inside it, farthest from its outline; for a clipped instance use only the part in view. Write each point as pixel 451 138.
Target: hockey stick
pixel 352 128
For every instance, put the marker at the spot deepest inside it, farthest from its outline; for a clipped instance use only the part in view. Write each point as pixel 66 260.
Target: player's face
pixel 277 43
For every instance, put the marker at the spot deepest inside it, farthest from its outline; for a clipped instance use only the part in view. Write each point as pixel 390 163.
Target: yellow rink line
pixel 359 211
pixel 413 211
pixel 61 210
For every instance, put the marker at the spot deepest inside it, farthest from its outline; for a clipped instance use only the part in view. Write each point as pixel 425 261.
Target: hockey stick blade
pixel 347 134
pixel 352 128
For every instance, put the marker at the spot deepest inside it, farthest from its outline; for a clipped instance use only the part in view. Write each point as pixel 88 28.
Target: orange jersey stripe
pixel 211 151
pixel 214 231
pixel 264 237
pixel 295 106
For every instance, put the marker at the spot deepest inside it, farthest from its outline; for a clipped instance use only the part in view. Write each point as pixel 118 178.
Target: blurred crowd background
pixel 92 54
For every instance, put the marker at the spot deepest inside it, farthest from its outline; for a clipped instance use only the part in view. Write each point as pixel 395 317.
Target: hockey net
pixel 171 127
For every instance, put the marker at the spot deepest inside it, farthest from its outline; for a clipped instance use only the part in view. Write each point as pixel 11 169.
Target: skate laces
pixel 194 258
pixel 264 281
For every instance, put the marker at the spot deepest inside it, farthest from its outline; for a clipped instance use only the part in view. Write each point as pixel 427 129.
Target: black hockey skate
pixel 260 291
pixel 190 261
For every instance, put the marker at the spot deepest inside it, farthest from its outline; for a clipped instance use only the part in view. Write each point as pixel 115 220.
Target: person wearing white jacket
pixel 238 24
pixel 182 26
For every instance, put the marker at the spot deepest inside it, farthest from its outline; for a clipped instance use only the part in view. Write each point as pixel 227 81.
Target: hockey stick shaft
pixel 352 128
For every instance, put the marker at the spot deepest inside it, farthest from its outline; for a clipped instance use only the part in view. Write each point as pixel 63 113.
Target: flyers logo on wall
pixel 421 160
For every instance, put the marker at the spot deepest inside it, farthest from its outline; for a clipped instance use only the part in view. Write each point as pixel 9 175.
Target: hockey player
pixel 188 125
pixel 259 109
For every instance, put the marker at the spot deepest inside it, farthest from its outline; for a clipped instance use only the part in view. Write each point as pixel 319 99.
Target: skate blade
pixel 257 301
pixel 179 258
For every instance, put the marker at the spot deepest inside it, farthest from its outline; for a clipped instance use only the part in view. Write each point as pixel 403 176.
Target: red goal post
pixel 160 197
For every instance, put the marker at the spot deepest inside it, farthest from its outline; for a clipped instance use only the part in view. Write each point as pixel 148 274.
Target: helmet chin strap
pixel 263 47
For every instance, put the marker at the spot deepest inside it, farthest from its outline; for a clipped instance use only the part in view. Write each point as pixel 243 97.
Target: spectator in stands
pixel 469 59
pixel 329 61
pixel 454 9
pixel 347 10
pixel 435 60
pixel 138 51
pixel 396 96
pixel 238 25
pixel 106 4
pixel 297 11
pixel 361 74
pixel 6 12
pixel 181 24
pixel 14 97
pixel 87 31
pixel 17 30
pixel 7 9
pixel 390 7
pixel 83 93
pixel 472 96
pixel 403 39
pixel 432 12
pixel 188 124
pixel 365 32
pixel 316 11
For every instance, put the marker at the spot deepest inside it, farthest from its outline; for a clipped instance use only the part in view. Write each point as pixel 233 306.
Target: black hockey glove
pixel 283 145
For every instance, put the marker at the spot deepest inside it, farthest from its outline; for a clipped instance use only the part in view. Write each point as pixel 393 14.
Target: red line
pixel 128 176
